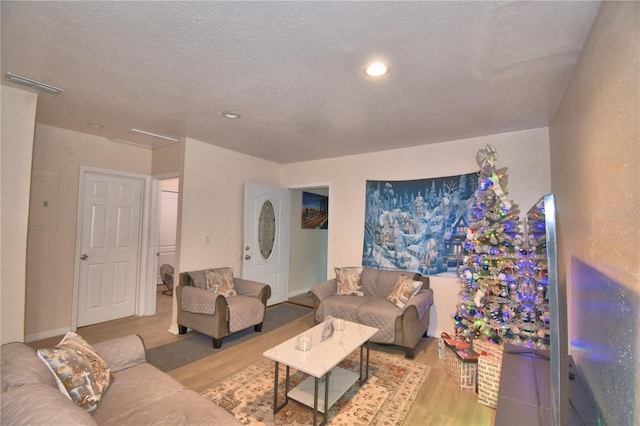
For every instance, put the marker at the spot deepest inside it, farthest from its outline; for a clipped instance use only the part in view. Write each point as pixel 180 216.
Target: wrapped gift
pixel 461 363
pixel 489 367
pixel 441 345
pixel 445 340
pixel 441 349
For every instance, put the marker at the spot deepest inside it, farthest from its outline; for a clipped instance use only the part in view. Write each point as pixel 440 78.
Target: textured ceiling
pixel 293 70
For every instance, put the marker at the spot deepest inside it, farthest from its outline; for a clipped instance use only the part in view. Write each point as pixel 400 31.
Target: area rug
pixel 385 399
pixel 196 346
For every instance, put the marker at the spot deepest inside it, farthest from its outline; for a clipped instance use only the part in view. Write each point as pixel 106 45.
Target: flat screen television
pixel 567 400
pixel 559 348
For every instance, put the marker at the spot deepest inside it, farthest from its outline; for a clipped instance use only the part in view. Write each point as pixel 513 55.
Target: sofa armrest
pixel 322 291
pixel 424 279
pixel 40 404
pixel 123 352
pixel 421 301
pixel 199 301
pixel 252 289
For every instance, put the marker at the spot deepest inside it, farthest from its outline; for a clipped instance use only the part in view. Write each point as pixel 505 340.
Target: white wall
pixel 525 153
pixel 18 122
pixel 308 248
pixel 51 252
pixel 166 160
pixel 595 142
pixel 212 192
pixel 212 188
pixel 212 203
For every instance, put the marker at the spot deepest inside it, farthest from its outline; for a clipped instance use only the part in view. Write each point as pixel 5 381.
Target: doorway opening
pixel 308 246
pixel 167 229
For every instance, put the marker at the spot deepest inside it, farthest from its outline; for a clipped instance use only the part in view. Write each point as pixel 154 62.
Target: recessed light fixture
pixel 34 84
pixel 376 69
pixel 230 115
pixel 95 125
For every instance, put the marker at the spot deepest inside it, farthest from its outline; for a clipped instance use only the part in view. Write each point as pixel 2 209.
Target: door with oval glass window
pixel 266 238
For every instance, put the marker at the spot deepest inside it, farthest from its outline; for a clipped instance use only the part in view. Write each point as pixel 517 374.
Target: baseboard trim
pixel 299 292
pixel 436 332
pixel 47 334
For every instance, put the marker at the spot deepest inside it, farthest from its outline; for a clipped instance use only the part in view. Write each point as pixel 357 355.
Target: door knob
pixel 247 257
pixel 84 257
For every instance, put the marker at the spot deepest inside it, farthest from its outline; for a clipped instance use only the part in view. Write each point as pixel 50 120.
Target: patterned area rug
pixel 385 399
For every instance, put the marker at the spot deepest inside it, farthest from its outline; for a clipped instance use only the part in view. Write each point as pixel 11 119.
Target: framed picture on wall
pixel 315 211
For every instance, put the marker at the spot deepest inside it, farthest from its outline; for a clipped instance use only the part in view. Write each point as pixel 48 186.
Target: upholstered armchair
pixel 214 303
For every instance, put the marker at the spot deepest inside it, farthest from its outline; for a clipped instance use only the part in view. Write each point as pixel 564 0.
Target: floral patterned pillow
pixel 81 373
pixel 403 290
pixel 220 280
pixel 349 281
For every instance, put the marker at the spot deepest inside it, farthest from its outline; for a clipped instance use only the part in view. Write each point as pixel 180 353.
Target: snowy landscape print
pixel 418 225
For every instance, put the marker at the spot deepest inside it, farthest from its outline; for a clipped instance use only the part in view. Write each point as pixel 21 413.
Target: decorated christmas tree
pixel 532 324
pixel 489 302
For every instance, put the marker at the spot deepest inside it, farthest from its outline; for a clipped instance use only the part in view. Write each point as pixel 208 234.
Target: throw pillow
pixel 403 290
pixel 81 373
pixel 220 280
pixel 349 281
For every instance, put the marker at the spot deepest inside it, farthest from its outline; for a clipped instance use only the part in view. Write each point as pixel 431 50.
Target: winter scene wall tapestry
pixel 418 225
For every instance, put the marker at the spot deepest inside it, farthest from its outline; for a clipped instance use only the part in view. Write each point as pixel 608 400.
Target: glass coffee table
pixel 327 382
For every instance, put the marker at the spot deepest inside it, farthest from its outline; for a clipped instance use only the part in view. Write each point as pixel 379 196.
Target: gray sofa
pixel 403 327
pixel 139 394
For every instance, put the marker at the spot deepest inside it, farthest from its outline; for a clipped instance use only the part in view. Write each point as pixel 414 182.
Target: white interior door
pixel 167 232
pixel 111 219
pixel 266 238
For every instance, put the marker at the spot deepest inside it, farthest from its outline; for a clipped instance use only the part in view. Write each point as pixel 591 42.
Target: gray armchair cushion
pixel 198 279
pixel 247 287
pixel 198 301
pixel 244 311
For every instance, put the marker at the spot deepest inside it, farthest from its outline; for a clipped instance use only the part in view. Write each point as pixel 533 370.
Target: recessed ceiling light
pixel 96 125
pixel 231 115
pixel 34 84
pixel 376 69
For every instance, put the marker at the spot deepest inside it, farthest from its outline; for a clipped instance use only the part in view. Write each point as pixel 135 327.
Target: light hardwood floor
pixel 439 402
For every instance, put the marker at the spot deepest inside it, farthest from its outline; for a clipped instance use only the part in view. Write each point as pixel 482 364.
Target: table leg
pixel 315 401
pixel 277 407
pixel 326 396
pixel 361 381
pixel 316 385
